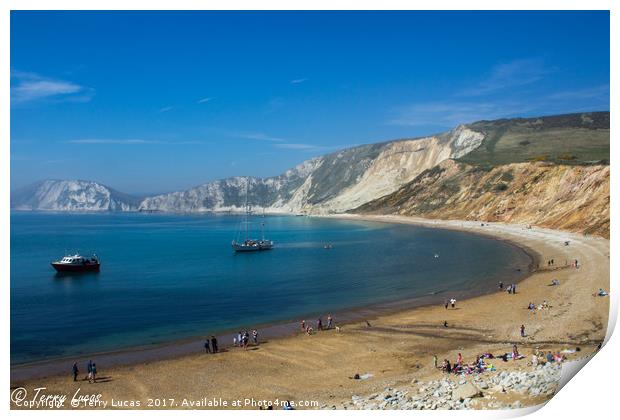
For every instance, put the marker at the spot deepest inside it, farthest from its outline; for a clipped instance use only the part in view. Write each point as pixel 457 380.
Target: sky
pixel 151 102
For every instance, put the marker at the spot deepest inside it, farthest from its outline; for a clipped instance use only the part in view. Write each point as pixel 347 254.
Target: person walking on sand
pixel 75 371
pixel 207 349
pixel 213 344
pixel 94 373
pixel 89 368
pixel 330 322
pixel 522 330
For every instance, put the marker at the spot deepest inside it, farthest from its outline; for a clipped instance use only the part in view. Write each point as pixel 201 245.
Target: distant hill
pixel 545 169
pixel 572 139
pixel 61 195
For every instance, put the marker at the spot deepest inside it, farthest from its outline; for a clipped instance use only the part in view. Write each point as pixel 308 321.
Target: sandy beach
pixel 394 349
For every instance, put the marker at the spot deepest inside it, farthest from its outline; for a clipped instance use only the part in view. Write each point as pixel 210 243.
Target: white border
pixel 590 394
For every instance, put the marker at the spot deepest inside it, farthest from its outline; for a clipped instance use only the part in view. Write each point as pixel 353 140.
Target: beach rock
pixel 464 391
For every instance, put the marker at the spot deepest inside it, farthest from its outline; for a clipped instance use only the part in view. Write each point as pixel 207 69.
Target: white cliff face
pixel 399 163
pixel 333 183
pixel 53 195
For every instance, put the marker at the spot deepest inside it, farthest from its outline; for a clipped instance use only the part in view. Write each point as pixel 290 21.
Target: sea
pixel 167 277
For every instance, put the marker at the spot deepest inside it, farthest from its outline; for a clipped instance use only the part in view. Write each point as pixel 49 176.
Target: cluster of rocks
pixel 456 393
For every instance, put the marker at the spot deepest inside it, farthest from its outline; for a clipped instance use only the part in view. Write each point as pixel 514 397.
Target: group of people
pixel 460 367
pixel 91 374
pixel 550 357
pixel 211 345
pixel 479 365
pixel 242 339
pixel 450 302
pixel 543 305
pixel 511 289
pixel 308 329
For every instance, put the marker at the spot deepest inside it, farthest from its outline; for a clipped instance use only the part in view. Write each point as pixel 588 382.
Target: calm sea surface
pixel 168 277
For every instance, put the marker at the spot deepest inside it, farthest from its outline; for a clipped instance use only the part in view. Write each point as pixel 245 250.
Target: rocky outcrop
pixel 57 195
pixel 569 197
pixel 488 390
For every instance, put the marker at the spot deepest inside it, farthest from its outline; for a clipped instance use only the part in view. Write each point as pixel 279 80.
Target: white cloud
pixel 298 81
pixel 450 113
pixel 507 75
pixel 204 100
pixel 129 141
pixel 166 109
pixel 260 136
pixel 297 146
pixel 30 87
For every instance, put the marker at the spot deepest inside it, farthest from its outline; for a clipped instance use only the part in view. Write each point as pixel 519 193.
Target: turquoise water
pixel 168 277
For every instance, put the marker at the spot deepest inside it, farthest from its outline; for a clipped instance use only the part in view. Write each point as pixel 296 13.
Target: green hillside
pixel 568 139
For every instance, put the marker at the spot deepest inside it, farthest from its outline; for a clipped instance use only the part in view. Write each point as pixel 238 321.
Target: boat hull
pixel 76 268
pixel 266 246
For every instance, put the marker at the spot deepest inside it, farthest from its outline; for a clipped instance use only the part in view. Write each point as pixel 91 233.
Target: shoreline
pixel 400 344
pixel 175 348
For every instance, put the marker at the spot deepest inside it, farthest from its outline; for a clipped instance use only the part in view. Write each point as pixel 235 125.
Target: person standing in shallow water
pixel 75 371
pixel 94 373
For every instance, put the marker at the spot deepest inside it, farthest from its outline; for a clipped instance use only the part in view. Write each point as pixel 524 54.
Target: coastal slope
pixel 549 171
pixel 574 198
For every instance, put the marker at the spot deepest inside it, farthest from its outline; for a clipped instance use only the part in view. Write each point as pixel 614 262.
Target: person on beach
pixel 452 302
pixel 239 339
pixel 303 324
pixel 435 361
pixel 522 330
pixel 459 359
pixel 509 289
pixel 514 289
pixel 515 352
pixel 550 358
pixel 501 285
pixel 94 373
pixel 207 349
pixel 89 368
pixel 75 371
pixel 214 344
pixel 255 337
pixel 319 324
pixel 246 339
pixel 445 324
pixel 446 303
pixel 330 322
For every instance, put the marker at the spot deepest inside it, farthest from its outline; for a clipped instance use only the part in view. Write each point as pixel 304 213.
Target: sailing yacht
pixel 249 244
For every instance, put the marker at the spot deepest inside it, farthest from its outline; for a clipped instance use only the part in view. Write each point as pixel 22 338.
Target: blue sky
pixel 149 102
